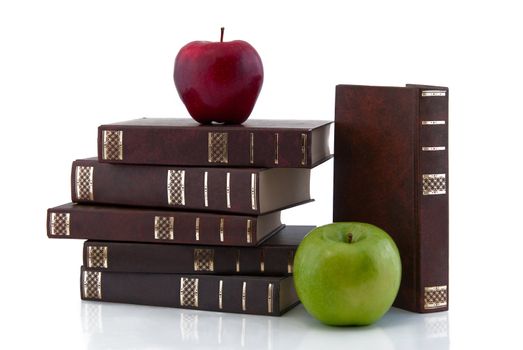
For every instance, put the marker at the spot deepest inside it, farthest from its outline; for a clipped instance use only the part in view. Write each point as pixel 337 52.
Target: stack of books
pixel 186 215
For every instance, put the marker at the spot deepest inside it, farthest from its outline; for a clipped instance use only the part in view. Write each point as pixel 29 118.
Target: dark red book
pixel 257 295
pixel 109 223
pixel 274 257
pixel 250 191
pixel 257 143
pixel 391 170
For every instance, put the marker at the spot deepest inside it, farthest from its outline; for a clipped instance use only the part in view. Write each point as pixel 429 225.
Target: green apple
pixel 347 273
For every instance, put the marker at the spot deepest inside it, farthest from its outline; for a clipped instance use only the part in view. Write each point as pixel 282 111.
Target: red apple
pixel 218 81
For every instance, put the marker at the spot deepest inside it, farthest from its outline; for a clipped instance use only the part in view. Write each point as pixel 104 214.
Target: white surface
pixel 159 328
pixel 68 66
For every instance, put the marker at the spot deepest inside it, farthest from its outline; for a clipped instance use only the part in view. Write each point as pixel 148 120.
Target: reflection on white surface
pixel 120 326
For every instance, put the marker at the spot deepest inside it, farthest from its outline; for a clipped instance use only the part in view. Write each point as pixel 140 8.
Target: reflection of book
pixel 391 170
pixel 273 257
pixel 271 296
pixel 184 142
pixel 408 330
pixel 250 191
pixel 437 326
pixel 111 223
pixel 166 328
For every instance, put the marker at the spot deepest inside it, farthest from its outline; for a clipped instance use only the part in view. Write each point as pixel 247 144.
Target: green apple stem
pixel 221 36
pixel 349 237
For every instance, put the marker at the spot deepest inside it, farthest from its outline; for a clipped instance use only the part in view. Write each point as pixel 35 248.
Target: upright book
pixel 133 224
pixel 183 142
pixel 391 170
pixel 257 295
pixel 274 257
pixel 250 191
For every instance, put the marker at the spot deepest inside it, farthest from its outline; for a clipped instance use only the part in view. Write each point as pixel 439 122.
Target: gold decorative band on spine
pixel 276 148
pixel 435 297
pixel 254 203
pixel 222 228
pixel 262 261
pixel 228 190
pixel 188 292
pixel 176 187
pixel 432 148
pixel 197 229
pixel 433 93
pixel 97 256
pixel 434 184
pixel 205 189
pixel 84 182
pixel 270 297
pixel 60 224
pixel 432 122
pixel 290 261
pixel 164 227
pixel 251 148
pixel 204 260
pixel 304 149
pixel 209 147
pixel 244 296
pixel 220 295
pixel 112 145
pixel 238 261
pixel 249 231
pixel 217 147
pixel 92 284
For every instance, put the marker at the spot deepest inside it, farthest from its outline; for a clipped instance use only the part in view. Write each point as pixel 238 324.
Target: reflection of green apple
pixel 347 273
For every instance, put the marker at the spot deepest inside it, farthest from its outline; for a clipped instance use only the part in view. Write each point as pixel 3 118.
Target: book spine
pixel 237 294
pixel 433 200
pixel 231 147
pixel 206 189
pixel 135 225
pixel 162 258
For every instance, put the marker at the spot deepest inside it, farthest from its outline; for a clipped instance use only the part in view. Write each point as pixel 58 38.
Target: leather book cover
pixel 111 223
pixel 251 191
pixel 274 257
pixel 271 296
pixel 391 170
pixel 257 143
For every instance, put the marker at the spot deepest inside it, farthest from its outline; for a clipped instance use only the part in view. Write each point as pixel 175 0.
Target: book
pixel 257 295
pixel 391 170
pixel 274 257
pixel 251 191
pixel 110 223
pixel 257 143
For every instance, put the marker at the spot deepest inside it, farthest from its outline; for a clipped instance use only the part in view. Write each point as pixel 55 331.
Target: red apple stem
pixel 349 237
pixel 221 36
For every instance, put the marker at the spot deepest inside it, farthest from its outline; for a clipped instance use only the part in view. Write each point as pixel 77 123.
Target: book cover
pixel 250 191
pixel 274 257
pixel 391 170
pixel 110 223
pixel 256 295
pixel 257 143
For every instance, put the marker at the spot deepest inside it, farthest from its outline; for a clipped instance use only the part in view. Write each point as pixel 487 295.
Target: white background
pixel 68 66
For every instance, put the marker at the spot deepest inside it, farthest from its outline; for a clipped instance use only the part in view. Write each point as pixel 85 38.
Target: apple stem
pixel 349 237
pixel 221 36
